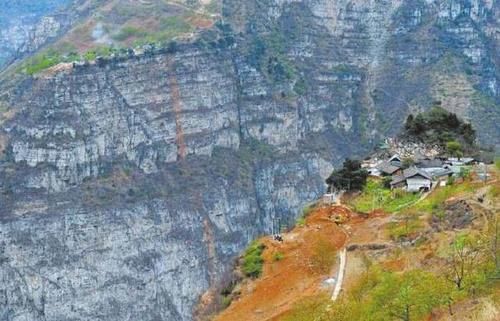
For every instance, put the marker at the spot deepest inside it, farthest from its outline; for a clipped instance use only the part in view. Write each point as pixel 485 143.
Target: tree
pixel 454 148
pixel 409 296
pixel 409 122
pixel 349 178
pixel 461 260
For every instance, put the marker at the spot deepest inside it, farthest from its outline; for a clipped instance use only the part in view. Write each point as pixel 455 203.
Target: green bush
pixel 301 221
pixel 324 256
pixel 278 256
pixel 128 32
pixel 253 261
pixel 351 177
pixel 42 61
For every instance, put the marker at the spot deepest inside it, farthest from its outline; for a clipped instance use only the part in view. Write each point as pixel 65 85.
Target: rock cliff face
pixel 138 180
pixel 128 186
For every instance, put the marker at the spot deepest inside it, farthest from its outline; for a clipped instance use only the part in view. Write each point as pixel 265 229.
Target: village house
pixel 393 166
pixel 431 166
pixel 412 180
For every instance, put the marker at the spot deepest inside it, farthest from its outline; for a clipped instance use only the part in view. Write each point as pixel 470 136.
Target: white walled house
pixel 412 180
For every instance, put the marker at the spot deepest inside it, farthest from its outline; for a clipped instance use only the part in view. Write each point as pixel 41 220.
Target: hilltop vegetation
pixel 438 126
pixel 116 25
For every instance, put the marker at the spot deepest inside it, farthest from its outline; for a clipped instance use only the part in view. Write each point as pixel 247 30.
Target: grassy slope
pixel 417 272
pixel 375 196
pixel 124 24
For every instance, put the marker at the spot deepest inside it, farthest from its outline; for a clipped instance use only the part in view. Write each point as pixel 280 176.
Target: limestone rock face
pixel 128 185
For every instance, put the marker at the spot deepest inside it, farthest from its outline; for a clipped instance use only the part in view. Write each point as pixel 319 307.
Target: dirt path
pixel 340 274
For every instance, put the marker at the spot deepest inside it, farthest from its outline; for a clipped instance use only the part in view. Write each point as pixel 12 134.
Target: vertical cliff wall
pixel 128 186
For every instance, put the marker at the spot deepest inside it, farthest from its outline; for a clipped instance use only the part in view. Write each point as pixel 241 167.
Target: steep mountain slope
pixel 128 184
pixel 393 56
pixel 26 25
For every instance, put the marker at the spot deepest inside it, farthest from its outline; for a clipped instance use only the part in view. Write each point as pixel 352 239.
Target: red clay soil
pixel 286 281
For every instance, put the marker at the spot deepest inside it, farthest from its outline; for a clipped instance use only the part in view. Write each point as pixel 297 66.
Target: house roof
pixel 409 173
pixel 429 163
pixel 444 172
pixel 396 179
pixel 413 171
pixel 395 157
pixel 388 168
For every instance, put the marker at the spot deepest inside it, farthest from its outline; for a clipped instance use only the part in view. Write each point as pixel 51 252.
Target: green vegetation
pixel 434 203
pixel 405 228
pixel 454 148
pixel 51 58
pixel 278 256
pixel 300 87
pixel 253 261
pixel 301 221
pixel 440 126
pixel 380 296
pixel 351 177
pixel 323 257
pixel 128 32
pixel 497 163
pixel 376 196
pixel 42 61
pixel 268 54
pixel 227 295
pixel 312 308
pixel 170 27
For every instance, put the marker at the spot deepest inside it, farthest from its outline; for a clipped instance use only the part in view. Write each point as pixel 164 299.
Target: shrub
pixel 253 261
pixel 42 61
pixel 226 301
pixel 323 257
pixel 301 221
pixel 278 256
pixel 454 148
pixel 351 177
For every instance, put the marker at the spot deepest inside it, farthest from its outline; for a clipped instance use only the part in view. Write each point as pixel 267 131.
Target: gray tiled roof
pixel 413 171
pixel 387 168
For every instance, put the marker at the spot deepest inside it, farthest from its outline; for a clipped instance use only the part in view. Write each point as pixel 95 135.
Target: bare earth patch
pixel 297 275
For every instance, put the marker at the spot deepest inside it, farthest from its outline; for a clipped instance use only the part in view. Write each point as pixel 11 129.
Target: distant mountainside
pixel 25 25
pixel 129 183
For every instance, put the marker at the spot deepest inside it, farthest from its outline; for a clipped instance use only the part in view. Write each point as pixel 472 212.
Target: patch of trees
pixel 351 177
pixel 440 126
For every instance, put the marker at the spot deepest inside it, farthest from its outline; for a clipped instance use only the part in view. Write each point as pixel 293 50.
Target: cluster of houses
pixel 417 174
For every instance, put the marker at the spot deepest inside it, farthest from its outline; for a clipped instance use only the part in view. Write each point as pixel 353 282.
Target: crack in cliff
pixel 175 97
pixel 238 94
